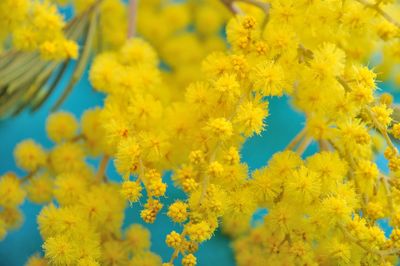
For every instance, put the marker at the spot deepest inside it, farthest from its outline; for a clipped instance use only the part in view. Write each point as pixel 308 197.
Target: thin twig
pixel 102 168
pixel 296 139
pixel 304 145
pixel 382 130
pixel 178 249
pixel 231 6
pixel 349 236
pixel 380 12
pixel 132 17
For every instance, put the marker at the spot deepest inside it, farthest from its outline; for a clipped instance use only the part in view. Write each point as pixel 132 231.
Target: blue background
pixel 283 125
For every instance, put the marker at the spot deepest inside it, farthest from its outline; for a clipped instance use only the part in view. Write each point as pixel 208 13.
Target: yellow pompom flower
pixel 382 114
pixel 127 158
pixel 36 260
pixel 94 132
pixel 340 251
pixel 328 62
pixel 138 238
pixel 269 78
pixel 138 52
pixel 220 128
pixel 102 73
pixel 149 216
pixel 59 250
pixel 114 253
pixel 189 260
pixel 40 189
pixel 131 190
pixel 145 110
pixel 145 258
pixel 228 87
pixel 61 126
pixel 67 157
pixel 396 130
pixel 13 217
pixel 199 232
pixel 336 208
pixel 68 188
pixel 251 117
pixel 29 155
pixel 215 169
pixel 178 211
pixel 303 185
pixel 11 192
pixel 70 48
pixel 173 240
pixel 232 156
pixel 157 188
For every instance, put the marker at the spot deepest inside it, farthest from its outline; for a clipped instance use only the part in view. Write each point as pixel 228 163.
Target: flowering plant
pixel 178 99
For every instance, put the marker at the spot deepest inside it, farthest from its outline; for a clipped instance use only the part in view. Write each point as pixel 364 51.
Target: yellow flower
pixel 138 238
pixel 251 117
pixel 131 190
pixel 60 251
pixel 227 86
pixel 382 114
pixel 67 157
pixel 220 128
pixel 68 188
pixel 269 79
pixel 40 189
pixel 336 208
pixel 178 211
pixel 127 157
pixel 137 52
pixel 303 185
pixel 173 240
pixel 11 193
pixel 189 260
pixel 61 126
pixel 199 232
pixel 29 155
pixel 36 260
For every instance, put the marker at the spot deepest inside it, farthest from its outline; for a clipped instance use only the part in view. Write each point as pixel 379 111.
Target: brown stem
pixel 304 145
pixel 132 14
pixel 177 250
pixel 102 168
pixel 380 12
pixel 296 139
pixel 323 145
pixel 28 177
pixel 231 6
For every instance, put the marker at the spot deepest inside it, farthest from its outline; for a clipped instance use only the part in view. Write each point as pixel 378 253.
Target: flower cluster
pixel 166 111
pixel 36 26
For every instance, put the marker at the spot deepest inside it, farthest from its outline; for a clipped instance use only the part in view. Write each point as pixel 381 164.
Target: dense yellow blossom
pixel 61 126
pixel 29 155
pixel 177 100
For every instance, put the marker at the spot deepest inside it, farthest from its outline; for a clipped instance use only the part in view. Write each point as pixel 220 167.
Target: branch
pixel 296 139
pixel 132 12
pixel 231 6
pixel 100 175
pixel 380 11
